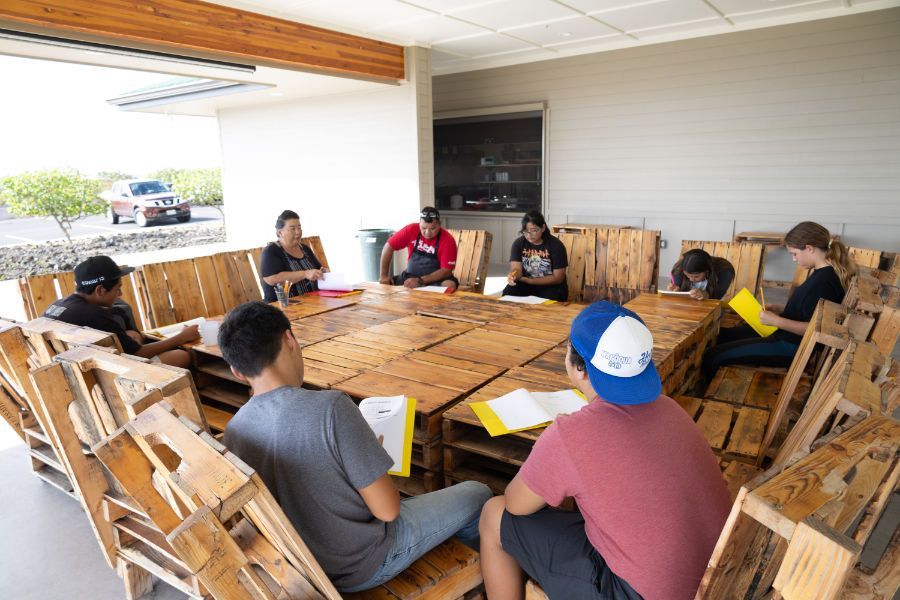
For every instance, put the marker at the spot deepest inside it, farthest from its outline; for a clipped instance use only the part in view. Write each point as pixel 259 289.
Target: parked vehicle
pixel 146 201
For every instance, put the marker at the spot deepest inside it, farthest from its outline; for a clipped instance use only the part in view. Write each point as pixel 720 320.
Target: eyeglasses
pixel 532 231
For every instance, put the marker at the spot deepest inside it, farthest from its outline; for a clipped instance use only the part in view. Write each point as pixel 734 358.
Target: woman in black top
pixel 702 275
pixel 537 262
pixel 811 247
pixel 288 260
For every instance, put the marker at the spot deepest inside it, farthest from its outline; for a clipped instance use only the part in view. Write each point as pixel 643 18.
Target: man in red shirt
pixel 651 498
pixel 431 253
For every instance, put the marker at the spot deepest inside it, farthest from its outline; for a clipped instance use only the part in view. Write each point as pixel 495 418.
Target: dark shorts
pixel 552 547
pixel 399 279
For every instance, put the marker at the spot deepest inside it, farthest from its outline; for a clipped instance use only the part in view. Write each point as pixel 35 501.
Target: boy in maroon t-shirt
pixel 651 498
pixel 431 251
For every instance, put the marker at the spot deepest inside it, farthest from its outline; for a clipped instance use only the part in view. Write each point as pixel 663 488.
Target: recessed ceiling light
pixel 566 34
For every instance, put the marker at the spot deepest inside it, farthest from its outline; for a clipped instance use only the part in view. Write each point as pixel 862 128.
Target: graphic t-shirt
pixel 539 260
pixel 406 238
pixel 76 310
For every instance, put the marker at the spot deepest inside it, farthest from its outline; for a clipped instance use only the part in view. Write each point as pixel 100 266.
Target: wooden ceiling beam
pixel 214 31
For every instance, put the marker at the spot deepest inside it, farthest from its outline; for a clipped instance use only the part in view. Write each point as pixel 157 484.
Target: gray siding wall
pixel 702 138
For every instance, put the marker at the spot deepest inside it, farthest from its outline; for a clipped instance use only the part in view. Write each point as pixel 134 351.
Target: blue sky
pixel 55 114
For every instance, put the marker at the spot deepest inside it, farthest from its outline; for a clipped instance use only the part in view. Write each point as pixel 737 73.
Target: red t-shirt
pixel 647 484
pixel 406 237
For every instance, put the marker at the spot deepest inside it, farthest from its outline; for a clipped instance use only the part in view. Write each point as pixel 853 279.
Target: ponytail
pixel 839 258
pixel 812 234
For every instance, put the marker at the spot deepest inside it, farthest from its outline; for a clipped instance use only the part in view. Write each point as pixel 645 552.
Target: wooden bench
pixel 620 264
pixel 221 519
pixel 85 394
pixel 747 258
pixel 473 255
pixel 799 529
pixel 40 291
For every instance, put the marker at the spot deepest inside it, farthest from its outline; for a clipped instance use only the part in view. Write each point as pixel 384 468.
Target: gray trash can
pixel 371 242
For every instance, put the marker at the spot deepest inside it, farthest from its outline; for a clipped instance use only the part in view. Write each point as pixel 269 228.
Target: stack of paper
pixel 394 418
pixel 437 289
pixel 334 282
pixel 675 293
pixel 520 409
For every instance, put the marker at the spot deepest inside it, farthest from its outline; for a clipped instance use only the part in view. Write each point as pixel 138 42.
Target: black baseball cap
pixel 429 214
pixel 98 269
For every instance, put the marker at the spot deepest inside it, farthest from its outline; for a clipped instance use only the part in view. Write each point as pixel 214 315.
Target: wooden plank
pixel 43 292
pixel 225 33
pixel 635 262
pixel 715 422
pixel 817 563
pixel 230 286
pixel 649 266
pixel 747 433
pixel 209 286
pixel 155 295
pixel 248 279
pixel 184 288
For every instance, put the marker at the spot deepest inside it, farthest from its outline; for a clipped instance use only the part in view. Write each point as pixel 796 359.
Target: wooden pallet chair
pixel 40 291
pixel 849 389
pixel 179 290
pixel 621 264
pixel 473 255
pixel 579 248
pixel 796 531
pixel 886 329
pixel 219 515
pixel 85 394
pixel 747 258
pixel 865 257
pixel 15 407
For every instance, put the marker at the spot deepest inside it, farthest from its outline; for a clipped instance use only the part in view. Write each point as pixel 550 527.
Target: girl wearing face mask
pixel 702 275
pixel 811 247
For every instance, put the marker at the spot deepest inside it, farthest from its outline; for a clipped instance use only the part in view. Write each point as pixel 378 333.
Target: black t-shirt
pixel 275 260
pixel 724 276
pixel 821 283
pixel 539 260
pixel 76 310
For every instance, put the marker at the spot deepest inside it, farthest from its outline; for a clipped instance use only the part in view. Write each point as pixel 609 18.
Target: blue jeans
pixel 426 521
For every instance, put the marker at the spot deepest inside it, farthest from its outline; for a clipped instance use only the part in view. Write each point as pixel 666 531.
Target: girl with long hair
pixel 701 274
pixel 811 247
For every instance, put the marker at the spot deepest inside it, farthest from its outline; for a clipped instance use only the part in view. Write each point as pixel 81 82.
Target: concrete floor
pixel 48 551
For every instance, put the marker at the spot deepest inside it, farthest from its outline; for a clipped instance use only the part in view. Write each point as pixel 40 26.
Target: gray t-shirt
pixel 314 451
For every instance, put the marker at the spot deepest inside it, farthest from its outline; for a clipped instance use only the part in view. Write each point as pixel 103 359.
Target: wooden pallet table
pixel 473 308
pixel 324 326
pixel 493 348
pixel 471 453
pixel 307 306
pixel 404 302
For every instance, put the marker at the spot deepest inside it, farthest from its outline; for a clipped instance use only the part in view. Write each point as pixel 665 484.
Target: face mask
pixel 699 285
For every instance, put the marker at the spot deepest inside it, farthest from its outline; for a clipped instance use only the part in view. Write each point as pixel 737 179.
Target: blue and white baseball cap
pixel 617 349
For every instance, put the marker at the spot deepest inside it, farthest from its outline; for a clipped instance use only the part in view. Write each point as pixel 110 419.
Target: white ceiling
pixel 467 35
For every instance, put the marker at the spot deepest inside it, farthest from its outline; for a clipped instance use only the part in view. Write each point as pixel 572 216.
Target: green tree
pixel 203 187
pixel 65 195
pixel 107 178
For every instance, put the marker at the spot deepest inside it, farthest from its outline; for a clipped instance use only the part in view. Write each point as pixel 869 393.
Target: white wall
pixel 703 138
pixel 341 162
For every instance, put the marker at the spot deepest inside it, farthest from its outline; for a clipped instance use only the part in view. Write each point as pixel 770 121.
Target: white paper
pixel 668 293
pixel 437 289
pixel 518 409
pixel 524 299
pixel 173 330
pixel 387 416
pixel 563 402
pixel 334 282
pixel 521 408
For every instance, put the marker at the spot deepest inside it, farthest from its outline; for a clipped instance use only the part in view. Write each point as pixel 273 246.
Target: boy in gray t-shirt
pixel 324 465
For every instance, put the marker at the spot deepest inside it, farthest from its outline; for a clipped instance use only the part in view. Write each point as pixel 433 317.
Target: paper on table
pixel 394 418
pixel 526 299
pixel 668 293
pixel 746 305
pixel 521 409
pixel 174 329
pixel 334 281
pixel 437 289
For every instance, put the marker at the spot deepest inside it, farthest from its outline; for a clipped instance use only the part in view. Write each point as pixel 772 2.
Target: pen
pixel 762 298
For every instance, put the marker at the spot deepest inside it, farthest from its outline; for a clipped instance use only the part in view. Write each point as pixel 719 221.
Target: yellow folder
pixel 407 439
pixel 492 422
pixel 746 305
